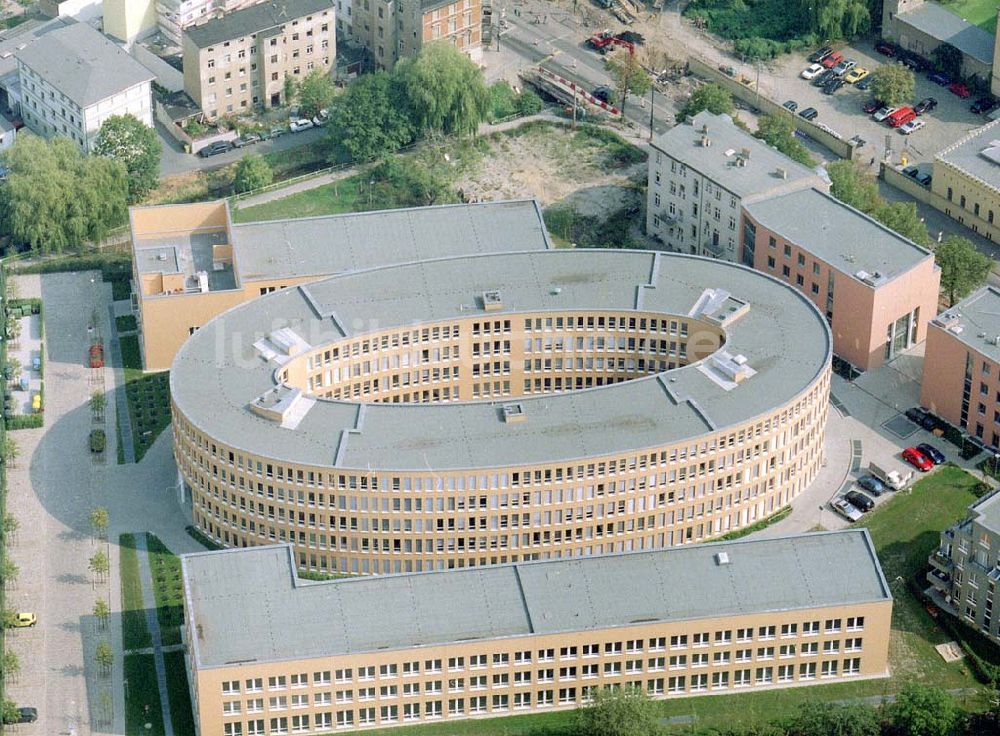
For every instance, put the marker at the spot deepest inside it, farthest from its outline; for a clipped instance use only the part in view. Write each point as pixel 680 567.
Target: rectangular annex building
pixel 191 262
pixel 268 653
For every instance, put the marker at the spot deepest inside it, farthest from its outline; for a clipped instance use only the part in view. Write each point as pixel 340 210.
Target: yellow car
pixel 24 620
pixel 36 402
pixel 856 75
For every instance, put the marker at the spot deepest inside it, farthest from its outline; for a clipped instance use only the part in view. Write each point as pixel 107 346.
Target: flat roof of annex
pixel 248 606
pixel 782 335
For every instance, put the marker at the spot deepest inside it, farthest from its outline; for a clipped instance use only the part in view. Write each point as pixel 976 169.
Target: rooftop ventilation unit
pixel 781 173
pixel 513 413
pixel 492 301
pixel 721 558
pixel 706 141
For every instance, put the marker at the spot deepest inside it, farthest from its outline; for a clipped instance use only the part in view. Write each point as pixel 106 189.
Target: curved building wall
pixel 394 516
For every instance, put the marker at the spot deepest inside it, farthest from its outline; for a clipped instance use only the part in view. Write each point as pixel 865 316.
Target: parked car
pixel 319 120
pixel 829 62
pixel 984 105
pixel 22 715
pixel 276 132
pixel 872 484
pixel 844 507
pixel 882 113
pixel 931 453
pixel 865 83
pixel 856 74
pixel 960 89
pixel 823 78
pixel 96 354
pixel 810 113
pixel 812 71
pixel 790 105
pixel 872 106
pixel 604 93
pixel 912 171
pixel 912 61
pixel 36 403
pixel 925 105
pixel 297 126
pixel 939 78
pixel 925 179
pixel 36 363
pixel 250 138
pixel 859 500
pixel 912 127
pixel 24 620
pixel 901 116
pixel 885 48
pixel 844 66
pixel 917 459
pixel 215 148
pixel 820 54
pixel 833 85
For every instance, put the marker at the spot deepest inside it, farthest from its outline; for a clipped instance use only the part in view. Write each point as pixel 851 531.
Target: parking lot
pixel 841 111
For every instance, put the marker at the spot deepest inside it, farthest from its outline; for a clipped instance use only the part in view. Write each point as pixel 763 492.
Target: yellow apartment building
pixel 967 181
pixel 268 653
pixel 191 262
pixel 501 407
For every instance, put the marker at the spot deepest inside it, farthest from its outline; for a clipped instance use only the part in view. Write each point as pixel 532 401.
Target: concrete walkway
pixel 149 603
pixel 114 360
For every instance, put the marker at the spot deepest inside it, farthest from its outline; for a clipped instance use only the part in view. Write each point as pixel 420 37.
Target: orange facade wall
pixel 944 374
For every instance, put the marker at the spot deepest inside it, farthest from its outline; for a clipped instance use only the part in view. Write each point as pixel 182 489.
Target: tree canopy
pixel 711 97
pixel 315 93
pixel 893 83
pixel 444 89
pixel 126 139
pixel 851 186
pixel 56 198
pixel 371 118
pixel 252 172
pixel 628 75
pixel 619 712
pixel 778 130
pixel 963 268
pixel 922 710
pixel 829 719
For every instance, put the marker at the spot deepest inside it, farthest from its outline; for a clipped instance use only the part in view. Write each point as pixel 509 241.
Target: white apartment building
pixel 173 16
pixel 700 175
pixel 74 78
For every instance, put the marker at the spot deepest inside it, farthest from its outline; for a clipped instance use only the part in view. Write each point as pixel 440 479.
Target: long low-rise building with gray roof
pixel 558 402
pixel 504 631
pixel 966 181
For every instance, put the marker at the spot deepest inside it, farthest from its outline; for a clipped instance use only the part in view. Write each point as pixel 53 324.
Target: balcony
pixel 716 250
pixel 941 581
pixel 941 562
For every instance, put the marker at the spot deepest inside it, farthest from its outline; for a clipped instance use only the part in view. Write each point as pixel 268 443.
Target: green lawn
pixel 148 397
pixel 329 199
pixel 141 691
pixel 168 589
pixel 983 13
pixel 125 323
pixel 135 633
pixel 177 692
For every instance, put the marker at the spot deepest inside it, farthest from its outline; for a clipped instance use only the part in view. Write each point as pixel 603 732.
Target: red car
pixel 960 89
pixel 885 48
pixel 917 459
pixel 832 60
pixel 97 356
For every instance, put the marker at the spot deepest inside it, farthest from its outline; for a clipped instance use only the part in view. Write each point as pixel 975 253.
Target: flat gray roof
pixel 783 336
pixel 717 161
pixel 986 511
pixel 83 64
pixel 22 35
pixel 977 155
pixel 338 243
pixel 248 605
pixel 186 253
pixel 845 238
pixel 975 321
pixel 940 23
pixel 253 19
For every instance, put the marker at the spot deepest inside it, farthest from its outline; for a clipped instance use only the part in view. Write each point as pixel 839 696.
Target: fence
pixel 758 101
pixel 3 489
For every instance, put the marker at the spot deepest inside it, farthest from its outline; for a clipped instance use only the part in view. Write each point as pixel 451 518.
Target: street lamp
pixel 652 92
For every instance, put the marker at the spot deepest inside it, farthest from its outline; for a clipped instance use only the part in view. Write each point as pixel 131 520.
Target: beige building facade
pixel 967 181
pixel 961 381
pixel 380 432
pixel 381 652
pixel 191 262
pixel 240 61
pixel 397 29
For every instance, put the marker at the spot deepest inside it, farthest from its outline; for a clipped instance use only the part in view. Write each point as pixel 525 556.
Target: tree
pixel 963 268
pixel 99 520
pixel 711 97
pixel 371 118
pixel 315 93
pixel 620 712
pixel 829 719
pixel 924 710
pixel 102 612
pixel 444 89
pixel 252 172
pixel 8 570
pixel 10 451
pixel 528 103
pixel 502 98
pixel 628 76
pixel 779 131
pixel 11 665
pixel 835 18
pixel 892 83
pixel 98 403
pixel 947 59
pixel 409 186
pixel 126 139
pixel 904 219
pixel 104 657
pixel 106 706
pixel 55 198
pixel 99 564
pixel 10 526
pixel 291 89
pixel 9 711
pixel 852 186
